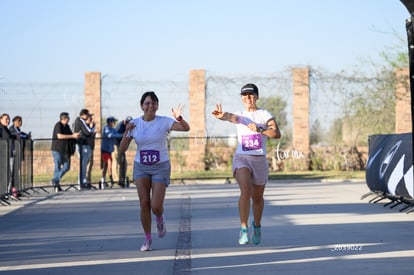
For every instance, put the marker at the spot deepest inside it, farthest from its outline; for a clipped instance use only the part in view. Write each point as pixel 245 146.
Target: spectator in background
pixel 5 134
pixel 109 136
pixel 121 157
pixel 91 141
pixel 83 142
pixel 15 128
pixel 63 147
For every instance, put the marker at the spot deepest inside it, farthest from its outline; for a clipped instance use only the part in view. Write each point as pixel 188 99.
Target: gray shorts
pixel 159 172
pixel 258 166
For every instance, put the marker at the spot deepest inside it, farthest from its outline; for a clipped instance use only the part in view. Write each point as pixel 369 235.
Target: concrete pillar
pixel 301 133
pixel 93 95
pixel 403 102
pixel 197 120
pixel 93 103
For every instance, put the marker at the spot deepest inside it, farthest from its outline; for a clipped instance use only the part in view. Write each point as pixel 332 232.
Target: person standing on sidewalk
pixel 85 151
pixel 250 166
pixel 11 138
pixel 109 136
pixel 63 147
pixel 152 168
pixel 91 141
pixel 15 129
pixel 22 138
pixel 121 160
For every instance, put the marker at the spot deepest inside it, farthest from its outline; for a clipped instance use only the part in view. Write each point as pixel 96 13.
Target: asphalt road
pixel 309 227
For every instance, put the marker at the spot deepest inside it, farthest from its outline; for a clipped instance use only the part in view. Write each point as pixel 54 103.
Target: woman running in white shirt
pixel 250 166
pixel 152 167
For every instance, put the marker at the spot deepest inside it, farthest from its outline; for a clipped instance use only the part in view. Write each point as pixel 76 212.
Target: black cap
pixel 249 89
pixel 85 112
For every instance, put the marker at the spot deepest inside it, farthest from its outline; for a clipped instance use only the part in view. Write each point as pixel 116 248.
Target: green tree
pixel 316 133
pixel 334 135
pixel 277 107
pixel 368 97
pixel 372 112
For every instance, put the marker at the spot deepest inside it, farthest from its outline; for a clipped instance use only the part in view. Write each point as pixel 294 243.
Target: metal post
pixel 409 4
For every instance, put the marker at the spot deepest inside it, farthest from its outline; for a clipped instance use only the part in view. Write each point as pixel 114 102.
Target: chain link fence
pixel 333 99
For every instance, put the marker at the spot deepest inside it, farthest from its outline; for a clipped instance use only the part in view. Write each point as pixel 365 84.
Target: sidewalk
pixel 309 227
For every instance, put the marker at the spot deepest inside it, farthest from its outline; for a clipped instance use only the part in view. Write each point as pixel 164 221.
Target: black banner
pixel 390 165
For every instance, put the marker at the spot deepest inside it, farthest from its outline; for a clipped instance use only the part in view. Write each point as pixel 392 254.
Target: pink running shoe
pixel 162 229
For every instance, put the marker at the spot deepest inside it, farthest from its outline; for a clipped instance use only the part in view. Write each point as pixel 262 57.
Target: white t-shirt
pixel 250 142
pixel 151 139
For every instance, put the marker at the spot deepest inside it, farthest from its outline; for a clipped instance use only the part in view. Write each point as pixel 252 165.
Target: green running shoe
pixel 243 239
pixel 256 233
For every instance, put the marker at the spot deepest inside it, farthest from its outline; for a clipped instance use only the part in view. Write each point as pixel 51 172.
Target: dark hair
pixel 64 115
pixel 17 118
pixel 150 94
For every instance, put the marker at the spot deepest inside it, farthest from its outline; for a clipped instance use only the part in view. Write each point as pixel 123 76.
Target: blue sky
pixel 59 40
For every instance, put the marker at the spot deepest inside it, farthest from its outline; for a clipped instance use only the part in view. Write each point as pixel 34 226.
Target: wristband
pixel 179 118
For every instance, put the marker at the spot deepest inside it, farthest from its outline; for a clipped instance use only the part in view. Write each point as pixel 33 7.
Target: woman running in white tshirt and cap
pixel 152 167
pixel 250 166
